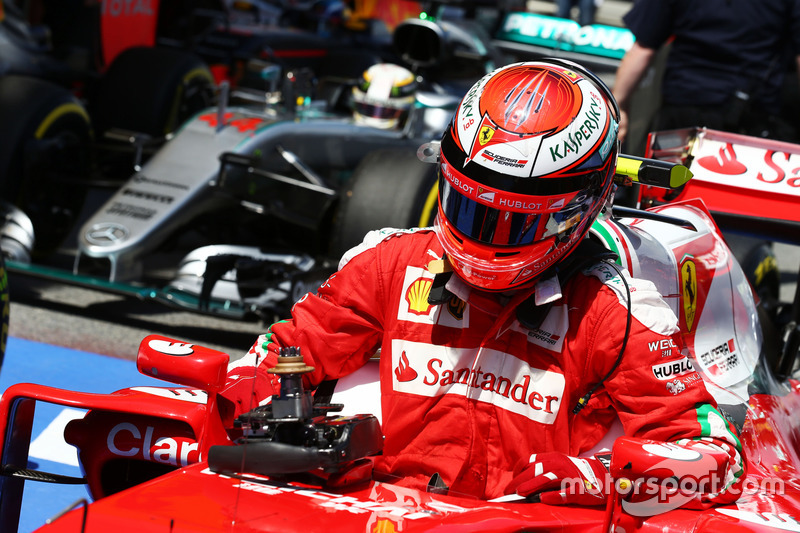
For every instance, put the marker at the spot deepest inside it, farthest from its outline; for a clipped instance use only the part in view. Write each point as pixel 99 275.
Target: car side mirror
pixel 182 363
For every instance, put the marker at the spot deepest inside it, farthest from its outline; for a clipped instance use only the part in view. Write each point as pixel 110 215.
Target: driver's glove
pixel 560 479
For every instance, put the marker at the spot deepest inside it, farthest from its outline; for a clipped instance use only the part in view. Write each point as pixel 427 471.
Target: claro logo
pixel 127 440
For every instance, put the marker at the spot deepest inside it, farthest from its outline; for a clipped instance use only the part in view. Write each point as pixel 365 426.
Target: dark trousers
pixel 726 118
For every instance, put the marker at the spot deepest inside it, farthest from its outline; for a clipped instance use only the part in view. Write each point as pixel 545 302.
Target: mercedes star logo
pixel 106 234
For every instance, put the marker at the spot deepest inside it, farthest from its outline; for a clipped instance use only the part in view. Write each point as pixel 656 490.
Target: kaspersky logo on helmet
pixel 487 376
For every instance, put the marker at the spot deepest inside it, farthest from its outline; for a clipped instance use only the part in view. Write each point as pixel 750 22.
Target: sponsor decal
pixel 552 258
pixel 689 291
pixel 417 296
pixel 672 369
pixel 551 339
pixel 106 234
pixel 126 8
pixel 403 371
pixel 128 440
pixel 414 306
pixel 458 182
pixel 466 109
pixel 524 274
pixel 582 132
pixel 131 211
pixel 550 335
pixel 676 387
pixel 145 195
pixel 519 203
pixel 724 163
pixel 141 178
pixel 504 161
pixel 486 196
pixel 749 167
pixel 665 346
pixel 485 135
pixel 178 349
pixel 484 375
pixel 561 34
pixel 720 359
pixel 456 307
pixel 478 273
pixel 242 124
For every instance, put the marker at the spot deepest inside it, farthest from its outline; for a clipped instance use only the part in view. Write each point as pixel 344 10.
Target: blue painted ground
pixel 33 362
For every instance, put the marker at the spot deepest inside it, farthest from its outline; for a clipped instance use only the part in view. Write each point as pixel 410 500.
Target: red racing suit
pixel 468 392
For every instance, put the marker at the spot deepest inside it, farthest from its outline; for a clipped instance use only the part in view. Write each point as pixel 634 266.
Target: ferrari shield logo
pixel 689 291
pixel 486 134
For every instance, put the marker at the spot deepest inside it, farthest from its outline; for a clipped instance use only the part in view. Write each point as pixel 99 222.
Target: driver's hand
pixel 559 479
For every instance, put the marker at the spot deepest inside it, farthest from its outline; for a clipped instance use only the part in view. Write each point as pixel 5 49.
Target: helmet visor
pixel 378 111
pixel 504 227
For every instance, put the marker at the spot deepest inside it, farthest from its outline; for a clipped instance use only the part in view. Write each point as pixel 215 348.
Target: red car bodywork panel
pixel 127 23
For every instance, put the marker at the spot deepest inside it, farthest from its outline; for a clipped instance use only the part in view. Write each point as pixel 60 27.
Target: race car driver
pixel 507 344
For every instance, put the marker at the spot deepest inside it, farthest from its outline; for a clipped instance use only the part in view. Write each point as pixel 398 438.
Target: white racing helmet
pixel 384 95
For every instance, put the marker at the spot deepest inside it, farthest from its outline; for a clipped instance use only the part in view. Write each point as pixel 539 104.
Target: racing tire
pixel 388 189
pixel 45 148
pixel 152 91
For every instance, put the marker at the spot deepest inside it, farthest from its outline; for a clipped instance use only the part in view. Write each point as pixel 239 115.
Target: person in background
pixel 587 10
pixel 726 66
pixel 509 342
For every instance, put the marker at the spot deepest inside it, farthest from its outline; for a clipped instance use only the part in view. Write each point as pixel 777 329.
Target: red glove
pixel 560 479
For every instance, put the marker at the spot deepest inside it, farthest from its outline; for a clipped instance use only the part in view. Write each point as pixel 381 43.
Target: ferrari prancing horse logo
pixel 486 134
pixel 689 291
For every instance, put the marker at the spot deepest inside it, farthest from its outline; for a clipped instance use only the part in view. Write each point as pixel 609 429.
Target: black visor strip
pixel 515 184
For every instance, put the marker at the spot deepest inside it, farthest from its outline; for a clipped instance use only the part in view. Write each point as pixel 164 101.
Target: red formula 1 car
pixel 160 459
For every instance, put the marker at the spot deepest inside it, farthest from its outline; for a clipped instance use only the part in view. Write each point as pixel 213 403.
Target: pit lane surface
pixel 114 325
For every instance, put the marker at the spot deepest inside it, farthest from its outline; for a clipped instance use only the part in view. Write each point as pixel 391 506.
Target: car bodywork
pixel 259 179
pixel 274 168
pixel 250 478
